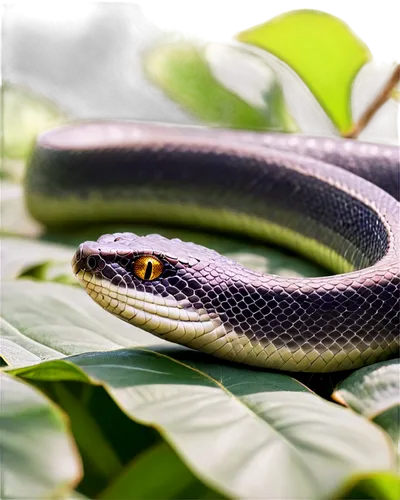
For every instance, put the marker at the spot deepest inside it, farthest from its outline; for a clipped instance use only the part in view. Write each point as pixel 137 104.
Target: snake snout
pixel 87 258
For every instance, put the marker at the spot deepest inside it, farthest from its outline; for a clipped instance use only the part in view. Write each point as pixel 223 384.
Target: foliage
pixel 93 404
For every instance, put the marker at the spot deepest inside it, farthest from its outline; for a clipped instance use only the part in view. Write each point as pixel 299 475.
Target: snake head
pixel 155 283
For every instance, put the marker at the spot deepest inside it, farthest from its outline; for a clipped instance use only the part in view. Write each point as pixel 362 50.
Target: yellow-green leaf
pixel 322 50
pixel 184 72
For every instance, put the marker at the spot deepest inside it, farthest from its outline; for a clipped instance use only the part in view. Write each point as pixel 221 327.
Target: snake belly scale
pixel 335 201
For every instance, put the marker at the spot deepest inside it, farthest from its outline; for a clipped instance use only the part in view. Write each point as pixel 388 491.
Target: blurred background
pixel 100 60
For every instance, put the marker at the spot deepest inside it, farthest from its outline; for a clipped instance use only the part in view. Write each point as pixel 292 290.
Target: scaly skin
pixel 232 182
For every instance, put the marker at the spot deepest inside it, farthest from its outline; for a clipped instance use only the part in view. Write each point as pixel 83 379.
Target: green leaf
pixel 173 480
pixel 376 486
pixel 242 431
pixel 43 321
pixel 374 391
pixel 203 85
pixel 46 261
pixel 107 439
pixel 24 116
pixel 38 456
pixel 390 421
pixel 88 433
pixel 322 50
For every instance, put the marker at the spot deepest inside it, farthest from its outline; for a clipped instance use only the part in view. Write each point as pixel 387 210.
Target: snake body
pixel 334 200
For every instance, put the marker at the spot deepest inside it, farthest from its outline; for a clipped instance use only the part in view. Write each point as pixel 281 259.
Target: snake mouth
pixel 163 317
pixel 173 320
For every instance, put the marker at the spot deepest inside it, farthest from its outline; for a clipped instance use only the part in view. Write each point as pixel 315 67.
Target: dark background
pixel 82 53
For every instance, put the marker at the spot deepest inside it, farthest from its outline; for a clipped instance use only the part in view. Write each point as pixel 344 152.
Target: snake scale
pixel 333 200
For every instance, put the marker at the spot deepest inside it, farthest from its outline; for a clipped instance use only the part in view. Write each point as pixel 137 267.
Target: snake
pixel 333 200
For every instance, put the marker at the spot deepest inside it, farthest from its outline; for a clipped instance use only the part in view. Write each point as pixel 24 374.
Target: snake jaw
pixel 110 283
pixel 171 315
pixel 165 318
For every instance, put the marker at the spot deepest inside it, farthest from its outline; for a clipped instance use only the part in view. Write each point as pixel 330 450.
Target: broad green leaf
pixel 157 473
pixel 88 433
pixel 375 486
pixel 24 116
pixel 322 50
pixel 43 321
pixel 390 421
pixel 371 390
pixel 374 391
pixel 38 456
pixel 107 439
pixel 202 84
pixel 233 427
pixel 42 260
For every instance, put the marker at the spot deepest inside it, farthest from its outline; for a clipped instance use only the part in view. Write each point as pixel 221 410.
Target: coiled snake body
pixel 319 196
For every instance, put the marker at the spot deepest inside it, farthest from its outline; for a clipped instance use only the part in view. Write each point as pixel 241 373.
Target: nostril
pixel 92 262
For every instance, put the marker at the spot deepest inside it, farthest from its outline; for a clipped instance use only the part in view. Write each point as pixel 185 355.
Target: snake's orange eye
pixel 147 267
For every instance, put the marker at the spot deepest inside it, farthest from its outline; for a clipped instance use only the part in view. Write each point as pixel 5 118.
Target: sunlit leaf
pixel 322 50
pixel 375 486
pixel 201 82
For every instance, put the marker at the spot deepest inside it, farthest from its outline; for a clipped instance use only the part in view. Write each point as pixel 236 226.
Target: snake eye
pixel 147 267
